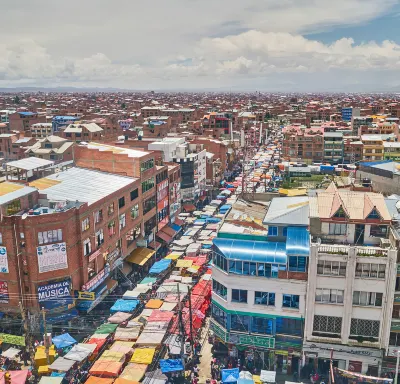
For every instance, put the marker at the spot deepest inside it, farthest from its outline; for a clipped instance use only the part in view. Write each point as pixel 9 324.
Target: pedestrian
pixel 196 371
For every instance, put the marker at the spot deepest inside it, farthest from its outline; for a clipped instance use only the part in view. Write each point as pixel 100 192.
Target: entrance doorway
pixel 359 234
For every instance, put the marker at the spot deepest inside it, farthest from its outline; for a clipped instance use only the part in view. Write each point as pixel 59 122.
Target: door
pixel 359 234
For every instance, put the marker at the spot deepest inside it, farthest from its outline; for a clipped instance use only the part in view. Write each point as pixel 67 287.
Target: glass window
pixel 235 267
pixel 371 270
pixel 13 208
pixel 331 268
pixel 291 301
pixel 111 209
pixel 47 237
pixel 327 324
pixel 331 296
pixel 218 315
pixel 98 216
pixel 99 237
pixel 239 296
pixel 85 224
pixel 297 263
pixel 240 323
pixel 287 326
pixel 361 327
pixel 272 231
pixel 367 298
pixel 87 247
pixel 284 231
pixel 121 202
pixel 134 194
pixel 147 184
pixel 122 221
pixel 220 289
pixel 135 211
pixel 261 325
pixel 111 228
pixel 264 298
pixel 337 229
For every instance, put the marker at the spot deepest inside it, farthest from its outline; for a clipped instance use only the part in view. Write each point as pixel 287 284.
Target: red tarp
pixel 98 342
pixel 178 221
pixel 189 207
pixel 163 236
pixel 158 315
pixel 169 231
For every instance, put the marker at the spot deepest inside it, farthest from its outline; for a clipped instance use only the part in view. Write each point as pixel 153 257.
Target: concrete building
pixel 21 121
pixel 333 147
pixel 51 148
pixel 83 132
pixel 373 148
pixel 350 285
pixel 41 130
pixel 13 145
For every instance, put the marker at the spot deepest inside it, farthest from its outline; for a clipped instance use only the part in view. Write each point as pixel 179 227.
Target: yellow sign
pixel 278 352
pixel 86 295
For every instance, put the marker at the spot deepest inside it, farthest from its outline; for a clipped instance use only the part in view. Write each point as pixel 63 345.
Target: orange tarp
pixel 98 380
pixel 106 368
pixel 154 304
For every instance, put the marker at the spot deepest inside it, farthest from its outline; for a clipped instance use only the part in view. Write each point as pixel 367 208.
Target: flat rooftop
pixel 11 191
pixel 133 153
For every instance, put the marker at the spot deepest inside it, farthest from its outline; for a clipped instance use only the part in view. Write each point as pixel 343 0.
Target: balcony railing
pixel 360 251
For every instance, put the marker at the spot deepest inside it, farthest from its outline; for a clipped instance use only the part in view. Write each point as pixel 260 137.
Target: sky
pixel 229 45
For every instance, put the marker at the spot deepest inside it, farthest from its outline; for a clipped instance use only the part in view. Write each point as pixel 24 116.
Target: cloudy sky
pixel 266 45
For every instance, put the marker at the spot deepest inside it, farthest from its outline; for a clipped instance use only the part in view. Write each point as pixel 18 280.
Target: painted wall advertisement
pixel 3 292
pixel 3 260
pixel 55 295
pixel 52 257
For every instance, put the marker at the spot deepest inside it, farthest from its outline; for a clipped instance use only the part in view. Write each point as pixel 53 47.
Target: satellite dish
pixel 24 216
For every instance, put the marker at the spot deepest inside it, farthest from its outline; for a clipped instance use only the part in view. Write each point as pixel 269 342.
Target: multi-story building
pixel 174 176
pixel 41 130
pixel 51 148
pixel 83 132
pixel 259 283
pixel 60 122
pixel 349 112
pixel 216 124
pixel 22 121
pixel 13 145
pixel 333 147
pixel 351 281
pixel 373 148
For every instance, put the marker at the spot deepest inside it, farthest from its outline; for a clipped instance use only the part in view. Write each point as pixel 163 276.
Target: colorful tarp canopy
pixel 184 263
pixel 124 306
pixel 140 256
pixel 112 356
pixel 63 341
pixel 120 380
pixel 106 328
pixel 148 280
pixel 160 266
pixel 154 304
pixel 134 371
pixel 119 317
pixel 171 365
pixel 143 355
pixel 17 377
pixel 230 375
pixel 12 339
pixel 106 368
pixel 174 255
pixel 78 353
pixel 122 346
pixel 98 342
pixel 150 338
pixel 98 380
pixel 159 315
pixel 51 380
pixel 62 364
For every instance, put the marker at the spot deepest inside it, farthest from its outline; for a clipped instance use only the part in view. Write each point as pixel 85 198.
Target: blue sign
pixel 55 295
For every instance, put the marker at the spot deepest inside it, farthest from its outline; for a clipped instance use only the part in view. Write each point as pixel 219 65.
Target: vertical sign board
pixel 3 292
pixel 52 257
pixel 3 260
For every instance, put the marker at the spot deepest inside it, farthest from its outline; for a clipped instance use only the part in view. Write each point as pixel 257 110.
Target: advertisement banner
pixel 86 295
pixel 93 283
pixel 52 257
pixel 3 260
pixel 3 292
pixel 55 294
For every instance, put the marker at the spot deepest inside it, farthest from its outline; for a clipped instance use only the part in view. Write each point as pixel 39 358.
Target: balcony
pixel 332 249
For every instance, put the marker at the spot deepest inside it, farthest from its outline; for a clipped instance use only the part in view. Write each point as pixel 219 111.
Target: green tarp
pixel 106 328
pixel 12 339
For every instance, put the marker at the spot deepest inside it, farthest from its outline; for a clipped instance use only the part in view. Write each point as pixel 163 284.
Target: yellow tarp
pixel 112 356
pixel 134 372
pixel 140 256
pixel 44 183
pixel 40 356
pixel 7 187
pixel 172 256
pixel 154 304
pixel 43 369
pixel 293 192
pixel 143 355
pixel 184 263
pixel 256 379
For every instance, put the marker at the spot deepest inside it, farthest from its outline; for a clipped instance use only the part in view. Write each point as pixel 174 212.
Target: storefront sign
pixel 3 260
pixel 86 295
pixel 218 331
pixel 113 255
pixel 392 351
pixel 97 280
pixel 4 292
pixel 254 341
pixel 94 255
pixel 52 257
pixel 55 295
pixel 326 349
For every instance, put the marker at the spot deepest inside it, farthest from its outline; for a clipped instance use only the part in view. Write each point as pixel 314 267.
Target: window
pixel 394 339
pixel 240 323
pixel 332 296
pixel 111 228
pixel 146 165
pixel 374 215
pixel 236 267
pixel 135 211
pixel 249 268
pixel 340 212
pixel 111 209
pixel 122 221
pixel 297 263
pixel 361 327
pixel 220 261
pixel 379 231
pixel 291 301
pixel 331 268
pixel 121 202
pixel 85 224
pixel 49 236
pixel 87 247
pixel 13 208
pixel 264 298
pixel 287 326
pixel 149 204
pixel 132 235
pixel 284 231
pixel 337 229
pixel 376 271
pixel 261 325
pixel 99 237
pixel 239 296
pixel 147 184
pixel 272 231
pixel 134 194
pixel 220 289
pixel 327 324
pixel 149 225
pixel 373 299
pixel 98 216
pixel 219 315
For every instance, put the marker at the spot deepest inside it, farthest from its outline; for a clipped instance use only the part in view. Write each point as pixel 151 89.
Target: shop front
pixel 316 356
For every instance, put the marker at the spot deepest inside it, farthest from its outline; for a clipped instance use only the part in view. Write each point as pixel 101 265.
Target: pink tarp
pixel 158 315
pixel 17 377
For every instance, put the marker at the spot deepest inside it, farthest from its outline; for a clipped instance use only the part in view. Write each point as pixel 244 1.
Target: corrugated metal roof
pixel 29 163
pixel 12 191
pixel 288 210
pixel 85 185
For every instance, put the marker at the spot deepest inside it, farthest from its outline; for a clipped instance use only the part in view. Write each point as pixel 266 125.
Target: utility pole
pixel 331 381
pixel 181 326
pixel 46 344
pixel 191 321
pixel 26 330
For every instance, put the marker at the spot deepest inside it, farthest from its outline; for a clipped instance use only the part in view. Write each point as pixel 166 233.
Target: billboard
pixel 3 292
pixel 3 260
pixel 52 257
pixel 53 295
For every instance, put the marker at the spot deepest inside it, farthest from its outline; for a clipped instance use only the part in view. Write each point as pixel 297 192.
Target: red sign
pixel 3 292
pixel 94 255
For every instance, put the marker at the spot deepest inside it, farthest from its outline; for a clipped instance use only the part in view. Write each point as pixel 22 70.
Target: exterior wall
pixel 381 184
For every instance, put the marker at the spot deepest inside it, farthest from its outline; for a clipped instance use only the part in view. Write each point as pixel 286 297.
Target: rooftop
pixel 29 163
pixel 11 191
pixel 288 210
pixel 133 153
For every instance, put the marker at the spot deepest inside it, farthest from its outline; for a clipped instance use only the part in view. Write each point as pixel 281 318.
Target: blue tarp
pixel 64 340
pixel 230 375
pixel 221 197
pixel 225 207
pixel 298 241
pixel 175 227
pixel 124 306
pixel 171 365
pixel 160 266
pixel 245 381
pixel 212 220
pixel 57 374
pixel 246 250
pixel 199 222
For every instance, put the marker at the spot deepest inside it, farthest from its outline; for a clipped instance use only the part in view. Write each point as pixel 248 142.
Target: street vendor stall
pixel 62 364
pixel 134 372
pixel 106 368
pixel 119 317
pixel 122 305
